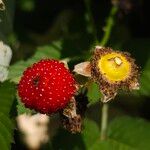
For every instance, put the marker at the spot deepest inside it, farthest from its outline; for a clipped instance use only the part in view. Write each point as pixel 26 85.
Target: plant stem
pixel 104 121
pixel 109 26
pixel 105 39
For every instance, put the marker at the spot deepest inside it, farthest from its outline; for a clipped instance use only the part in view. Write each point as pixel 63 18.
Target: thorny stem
pixel 104 120
pixel 107 29
pixel 109 26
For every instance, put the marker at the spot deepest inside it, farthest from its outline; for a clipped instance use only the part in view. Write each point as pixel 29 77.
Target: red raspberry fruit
pixel 47 86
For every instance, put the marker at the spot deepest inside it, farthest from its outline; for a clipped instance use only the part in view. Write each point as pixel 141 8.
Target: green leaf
pixel 21 109
pixel 124 133
pixel 68 141
pixel 3 143
pixel 145 80
pixel 132 132
pixel 7 95
pixel 110 145
pixel 49 51
pixel 7 122
pixel 6 132
pixel 90 133
pixel 93 93
pixel 16 70
pixel 91 138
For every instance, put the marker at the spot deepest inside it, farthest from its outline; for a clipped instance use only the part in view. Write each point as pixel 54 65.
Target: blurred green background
pixel 69 29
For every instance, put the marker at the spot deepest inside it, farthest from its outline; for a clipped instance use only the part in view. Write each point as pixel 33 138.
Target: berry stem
pixel 104 121
pixel 109 26
pixel 107 32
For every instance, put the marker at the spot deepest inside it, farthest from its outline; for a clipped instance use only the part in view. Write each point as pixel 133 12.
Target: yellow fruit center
pixel 114 66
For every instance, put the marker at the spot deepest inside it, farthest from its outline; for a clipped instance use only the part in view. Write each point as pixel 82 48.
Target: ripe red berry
pixel 46 86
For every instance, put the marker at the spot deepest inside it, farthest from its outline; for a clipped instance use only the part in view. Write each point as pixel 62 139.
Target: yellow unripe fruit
pixel 114 67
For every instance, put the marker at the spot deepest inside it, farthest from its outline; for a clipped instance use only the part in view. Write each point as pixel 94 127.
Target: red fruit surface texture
pixel 46 86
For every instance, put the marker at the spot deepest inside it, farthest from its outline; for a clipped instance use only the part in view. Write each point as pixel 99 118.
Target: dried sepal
pixel 2 5
pixel 70 119
pixel 73 125
pixel 83 68
pixel 70 109
pixel 113 70
pixel 65 62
